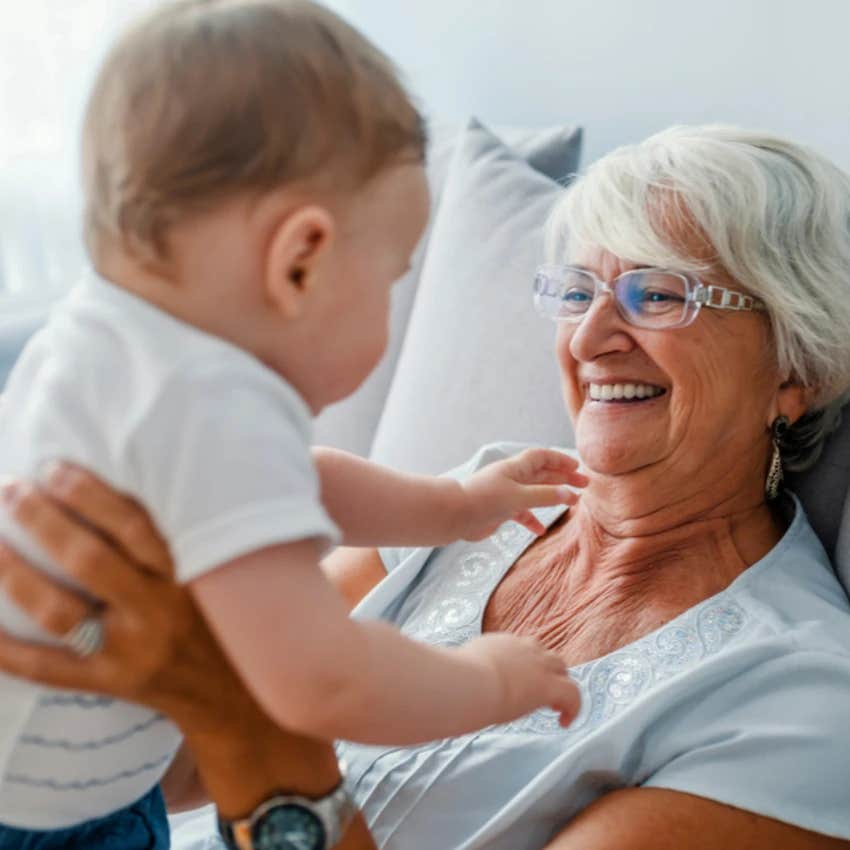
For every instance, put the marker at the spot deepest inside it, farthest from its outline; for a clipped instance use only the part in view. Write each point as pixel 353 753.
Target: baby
pixel 253 186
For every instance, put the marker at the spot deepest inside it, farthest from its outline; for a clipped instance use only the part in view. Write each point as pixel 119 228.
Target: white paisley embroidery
pixel 457 592
pixel 612 682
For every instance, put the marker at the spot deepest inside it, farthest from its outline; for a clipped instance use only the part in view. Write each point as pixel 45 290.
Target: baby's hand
pixel 506 490
pixel 527 676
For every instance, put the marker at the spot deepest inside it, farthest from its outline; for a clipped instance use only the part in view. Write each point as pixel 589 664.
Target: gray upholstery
pixel 825 493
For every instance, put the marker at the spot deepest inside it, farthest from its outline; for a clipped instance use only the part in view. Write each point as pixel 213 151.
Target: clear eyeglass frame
pixel 686 295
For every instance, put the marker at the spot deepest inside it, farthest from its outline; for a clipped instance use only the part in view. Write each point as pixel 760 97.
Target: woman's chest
pixel 503 584
pixel 539 596
pixel 527 602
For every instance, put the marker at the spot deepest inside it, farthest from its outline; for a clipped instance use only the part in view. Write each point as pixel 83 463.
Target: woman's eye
pixel 655 296
pixel 577 296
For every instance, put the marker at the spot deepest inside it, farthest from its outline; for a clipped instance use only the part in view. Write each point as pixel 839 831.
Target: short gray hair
pixel 776 217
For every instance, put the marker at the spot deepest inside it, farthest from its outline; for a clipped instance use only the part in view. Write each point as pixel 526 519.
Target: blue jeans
pixel 141 826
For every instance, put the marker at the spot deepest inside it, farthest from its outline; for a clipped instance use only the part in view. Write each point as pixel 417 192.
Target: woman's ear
pixel 793 399
pixel 294 257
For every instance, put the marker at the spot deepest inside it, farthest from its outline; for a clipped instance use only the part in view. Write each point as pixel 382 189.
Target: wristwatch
pixel 287 822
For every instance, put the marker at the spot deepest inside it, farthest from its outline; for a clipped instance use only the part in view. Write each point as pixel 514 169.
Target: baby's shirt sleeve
pixel 772 740
pixel 222 461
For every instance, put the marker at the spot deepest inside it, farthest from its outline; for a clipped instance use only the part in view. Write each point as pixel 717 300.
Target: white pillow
pixel 351 424
pixel 477 364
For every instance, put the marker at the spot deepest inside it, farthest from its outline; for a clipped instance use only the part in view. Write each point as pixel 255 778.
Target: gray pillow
pixel 351 424
pixel 477 364
pixel 825 494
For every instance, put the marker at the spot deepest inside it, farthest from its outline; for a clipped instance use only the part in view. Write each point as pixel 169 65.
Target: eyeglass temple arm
pixel 721 298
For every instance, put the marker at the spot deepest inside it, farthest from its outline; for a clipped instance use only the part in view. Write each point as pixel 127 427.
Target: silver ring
pixel 86 638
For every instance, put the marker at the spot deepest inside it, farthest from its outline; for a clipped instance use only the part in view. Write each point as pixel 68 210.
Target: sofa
pixel 469 361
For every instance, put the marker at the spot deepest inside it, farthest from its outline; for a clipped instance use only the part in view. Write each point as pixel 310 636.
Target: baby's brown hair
pixel 205 99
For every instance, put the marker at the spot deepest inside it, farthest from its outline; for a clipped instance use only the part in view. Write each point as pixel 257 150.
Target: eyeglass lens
pixel 649 298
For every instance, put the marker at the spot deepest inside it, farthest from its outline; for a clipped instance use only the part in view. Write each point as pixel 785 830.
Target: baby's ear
pixel 294 256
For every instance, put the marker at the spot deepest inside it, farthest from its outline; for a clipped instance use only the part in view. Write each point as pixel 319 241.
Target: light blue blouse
pixel 743 699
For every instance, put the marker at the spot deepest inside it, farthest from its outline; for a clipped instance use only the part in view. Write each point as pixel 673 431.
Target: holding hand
pixel 507 489
pixel 157 651
pixel 155 642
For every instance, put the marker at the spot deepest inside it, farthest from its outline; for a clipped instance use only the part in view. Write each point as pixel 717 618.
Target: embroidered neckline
pixel 461 590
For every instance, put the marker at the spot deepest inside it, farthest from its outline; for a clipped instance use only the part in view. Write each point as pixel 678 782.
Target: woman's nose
pixel 602 330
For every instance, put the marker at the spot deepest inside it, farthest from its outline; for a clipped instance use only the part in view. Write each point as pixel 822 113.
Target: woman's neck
pixel 645 535
pixel 616 569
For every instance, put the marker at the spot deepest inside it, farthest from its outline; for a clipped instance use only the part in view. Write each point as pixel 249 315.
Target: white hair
pixel 773 214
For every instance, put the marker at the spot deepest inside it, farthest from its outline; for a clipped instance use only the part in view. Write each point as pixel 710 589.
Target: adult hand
pixel 157 648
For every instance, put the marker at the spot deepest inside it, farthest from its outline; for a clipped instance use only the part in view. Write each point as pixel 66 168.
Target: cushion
pixel 824 492
pixel 351 423
pixel 477 364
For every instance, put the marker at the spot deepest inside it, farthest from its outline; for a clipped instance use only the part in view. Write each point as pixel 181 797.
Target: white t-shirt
pixel 212 442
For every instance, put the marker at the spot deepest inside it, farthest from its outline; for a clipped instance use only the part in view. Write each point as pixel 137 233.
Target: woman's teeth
pixel 613 392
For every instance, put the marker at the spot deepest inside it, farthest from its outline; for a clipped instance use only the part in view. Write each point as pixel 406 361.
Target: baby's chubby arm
pixel 377 506
pixel 318 673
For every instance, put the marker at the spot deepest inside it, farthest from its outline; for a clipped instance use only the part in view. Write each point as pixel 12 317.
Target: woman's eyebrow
pixel 593 272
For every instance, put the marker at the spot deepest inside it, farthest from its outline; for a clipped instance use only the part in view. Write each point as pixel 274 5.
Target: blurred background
pixel 619 68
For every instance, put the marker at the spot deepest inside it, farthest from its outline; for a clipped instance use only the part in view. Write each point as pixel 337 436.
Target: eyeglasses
pixel 645 298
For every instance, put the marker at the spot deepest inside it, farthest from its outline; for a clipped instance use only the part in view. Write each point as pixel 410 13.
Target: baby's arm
pixel 315 671
pixel 377 506
pixel 353 572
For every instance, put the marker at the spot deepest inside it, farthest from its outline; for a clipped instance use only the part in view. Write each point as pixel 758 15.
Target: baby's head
pixel 265 149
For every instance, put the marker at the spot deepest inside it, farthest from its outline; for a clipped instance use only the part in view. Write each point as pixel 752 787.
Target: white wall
pixel 621 68
pixel 624 68
pixel 49 51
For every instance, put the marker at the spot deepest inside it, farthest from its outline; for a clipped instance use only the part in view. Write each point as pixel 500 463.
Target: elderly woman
pixel 701 282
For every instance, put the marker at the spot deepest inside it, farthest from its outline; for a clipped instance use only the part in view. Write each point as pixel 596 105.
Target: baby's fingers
pixel 566 700
pixel 542 496
pixel 527 519
pixel 546 466
pixel 564 695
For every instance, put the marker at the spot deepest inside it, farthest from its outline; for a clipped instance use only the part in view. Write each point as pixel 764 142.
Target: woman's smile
pixel 630 392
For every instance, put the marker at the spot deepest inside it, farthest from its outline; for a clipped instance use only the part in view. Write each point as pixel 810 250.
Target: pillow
pixel 351 424
pixel 553 151
pixel 478 363
pixel 824 492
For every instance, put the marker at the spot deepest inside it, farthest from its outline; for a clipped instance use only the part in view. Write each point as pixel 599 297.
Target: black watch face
pixel 289 827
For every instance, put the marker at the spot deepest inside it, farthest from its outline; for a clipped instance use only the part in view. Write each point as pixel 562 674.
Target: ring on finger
pixel 87 637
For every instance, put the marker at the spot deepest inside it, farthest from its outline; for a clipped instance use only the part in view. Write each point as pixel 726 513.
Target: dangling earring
pixel 774 474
